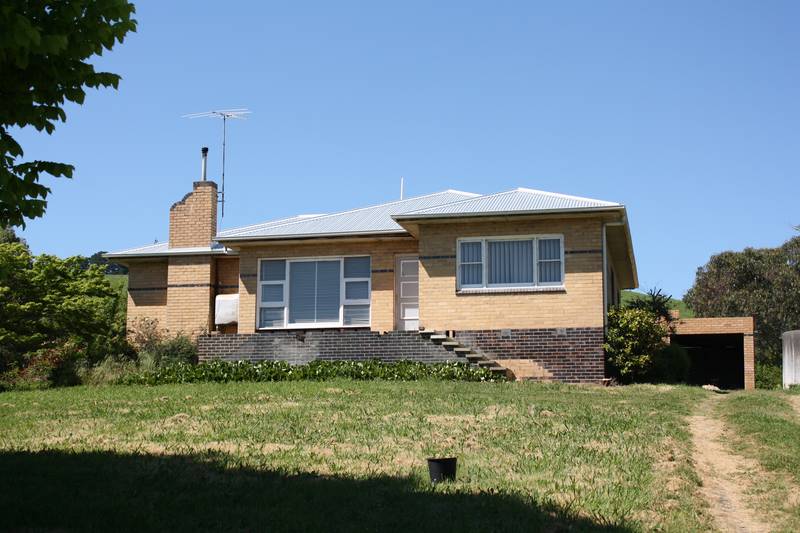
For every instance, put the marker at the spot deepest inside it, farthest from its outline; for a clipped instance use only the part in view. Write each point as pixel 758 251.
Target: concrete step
pixel 427 333
pixel 462 350
pixel 439 338
pixel 474 358
pixel 451 344
pixel 488 364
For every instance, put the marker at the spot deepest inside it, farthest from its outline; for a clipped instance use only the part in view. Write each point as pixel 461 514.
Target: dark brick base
pixel 572 355
pixel 298 347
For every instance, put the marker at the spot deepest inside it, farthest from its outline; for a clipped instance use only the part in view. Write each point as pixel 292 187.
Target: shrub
pixel 55 315
pixel 56 365
pixel 670 365
pixel 155 344
pixel 632 338
pixel 229 371
pixel 768 376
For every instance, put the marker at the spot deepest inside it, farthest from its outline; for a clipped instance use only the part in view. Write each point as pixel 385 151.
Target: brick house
pixel 518 281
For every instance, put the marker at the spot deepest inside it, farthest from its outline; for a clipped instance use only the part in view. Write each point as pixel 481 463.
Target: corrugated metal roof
pixel 264 225
pixel 509 202
pixel 380 219
pixel 162 249
pixel 367 220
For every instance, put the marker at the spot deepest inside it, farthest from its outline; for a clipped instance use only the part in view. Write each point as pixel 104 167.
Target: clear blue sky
pixel 687 112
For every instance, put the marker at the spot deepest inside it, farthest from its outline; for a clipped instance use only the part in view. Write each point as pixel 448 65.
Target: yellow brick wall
pixel 150 303
pixel 382 252
pixel 227 271
pixel 580 305
pixel 193 220
pixel 190 294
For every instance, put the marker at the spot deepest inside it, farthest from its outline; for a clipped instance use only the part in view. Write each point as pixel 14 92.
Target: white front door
pixel 406 275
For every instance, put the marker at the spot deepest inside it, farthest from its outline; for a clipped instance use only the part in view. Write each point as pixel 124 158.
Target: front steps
pixel 465 352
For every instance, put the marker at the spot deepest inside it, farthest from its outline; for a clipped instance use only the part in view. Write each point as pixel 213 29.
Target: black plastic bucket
pixel 442 469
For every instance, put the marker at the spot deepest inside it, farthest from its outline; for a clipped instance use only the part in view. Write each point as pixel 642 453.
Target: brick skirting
pixel 298 347
pixel 572 355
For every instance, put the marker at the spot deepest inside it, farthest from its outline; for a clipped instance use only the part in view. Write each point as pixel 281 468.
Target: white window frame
pixel 485 286
pixel 482 263
pixel 284 285
pixel 286 289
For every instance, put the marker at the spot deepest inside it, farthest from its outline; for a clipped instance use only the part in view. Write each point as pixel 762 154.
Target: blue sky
pixel 687 112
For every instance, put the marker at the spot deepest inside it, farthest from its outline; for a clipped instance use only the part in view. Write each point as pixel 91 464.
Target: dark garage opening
pixel 715 359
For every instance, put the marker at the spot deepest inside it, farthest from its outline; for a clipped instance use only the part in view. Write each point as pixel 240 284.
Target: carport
pixel 722 350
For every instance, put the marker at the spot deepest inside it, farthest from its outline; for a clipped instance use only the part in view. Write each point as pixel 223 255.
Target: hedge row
pixel 228 371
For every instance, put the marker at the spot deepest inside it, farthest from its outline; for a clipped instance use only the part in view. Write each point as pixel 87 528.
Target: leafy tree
pixel 762 282
pixel 7 235
pixel 108 267
pixel 656 303
pixel 633 338
pixel 44 48
pixel 47 302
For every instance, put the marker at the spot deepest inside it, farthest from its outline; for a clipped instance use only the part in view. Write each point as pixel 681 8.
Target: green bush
pixel 153 343
pixel 56 315
pixel 229 371
pixel 670 365
pixel 768 376
pixel 633 337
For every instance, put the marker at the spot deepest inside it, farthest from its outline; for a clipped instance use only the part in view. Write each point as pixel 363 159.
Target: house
pixel 518 280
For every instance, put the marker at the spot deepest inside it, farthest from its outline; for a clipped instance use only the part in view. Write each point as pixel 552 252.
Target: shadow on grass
pixel 106 491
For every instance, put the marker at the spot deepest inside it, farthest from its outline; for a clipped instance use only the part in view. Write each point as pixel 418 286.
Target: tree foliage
pixel 48 303
pixel 108 267
pixel 760 282
pixel 656 302
pixel 633 338
pixel 44 49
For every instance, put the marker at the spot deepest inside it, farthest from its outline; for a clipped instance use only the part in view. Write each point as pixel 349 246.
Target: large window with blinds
pixel 324 292
pixel 508 262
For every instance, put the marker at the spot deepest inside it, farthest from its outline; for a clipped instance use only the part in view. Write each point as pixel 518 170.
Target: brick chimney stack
pixel 193 220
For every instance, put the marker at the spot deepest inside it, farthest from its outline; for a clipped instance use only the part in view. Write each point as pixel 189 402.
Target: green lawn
pixel 348 456
pixel 767 430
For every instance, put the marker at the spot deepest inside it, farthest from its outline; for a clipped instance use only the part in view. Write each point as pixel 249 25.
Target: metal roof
pixel 376 219
pixel 515 201
pixel 380 219
pixel 161 249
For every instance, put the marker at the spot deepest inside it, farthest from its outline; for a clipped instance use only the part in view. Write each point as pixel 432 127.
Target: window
pixel 510 262
pixel 471 265
pixel 356 291
pixel 327 292
pixel 272 275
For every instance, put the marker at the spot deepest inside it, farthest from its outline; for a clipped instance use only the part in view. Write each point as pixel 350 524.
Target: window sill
pixel 315 326
pixel 512 290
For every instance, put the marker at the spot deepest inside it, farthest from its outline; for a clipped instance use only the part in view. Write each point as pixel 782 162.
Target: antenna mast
pixel 224 114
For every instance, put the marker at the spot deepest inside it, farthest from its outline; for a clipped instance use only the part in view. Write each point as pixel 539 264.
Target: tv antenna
pixel 224 114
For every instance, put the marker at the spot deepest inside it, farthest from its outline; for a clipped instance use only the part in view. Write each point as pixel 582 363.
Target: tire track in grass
pixel 723 474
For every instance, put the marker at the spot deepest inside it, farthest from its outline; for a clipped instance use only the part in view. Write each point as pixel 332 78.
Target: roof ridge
pixel 273 221
pixel 377 205
pixel 480 196
pixel 562 195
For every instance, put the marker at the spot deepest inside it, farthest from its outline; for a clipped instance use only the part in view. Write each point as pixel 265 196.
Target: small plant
pixel 232 371
pixel 153 343
pixel 768 376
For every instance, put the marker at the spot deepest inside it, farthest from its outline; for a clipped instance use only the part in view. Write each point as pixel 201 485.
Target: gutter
pixel 411 216
pixel 309 236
